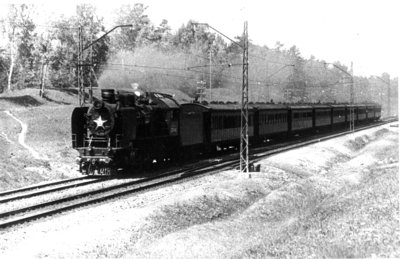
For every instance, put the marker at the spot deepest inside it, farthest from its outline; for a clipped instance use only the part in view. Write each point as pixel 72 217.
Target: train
pixel 128 129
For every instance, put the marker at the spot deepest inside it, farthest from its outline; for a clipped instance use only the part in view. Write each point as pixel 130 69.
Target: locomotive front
pixel 125 130
pixel 98 136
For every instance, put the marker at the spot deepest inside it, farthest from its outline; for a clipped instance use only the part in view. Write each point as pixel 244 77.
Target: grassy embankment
pixel 333 200
pixel 48 121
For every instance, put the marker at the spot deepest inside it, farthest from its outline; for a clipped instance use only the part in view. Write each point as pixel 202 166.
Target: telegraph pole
pixel 81 90
pixel 389 108
pixel 244 136
pixel 210 71
pixel 91 71
pixel 351 75
pixel 266 82
pixel 244 111
pixel 352 114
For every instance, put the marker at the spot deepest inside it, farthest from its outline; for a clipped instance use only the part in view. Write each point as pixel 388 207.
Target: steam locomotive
pixel 128 129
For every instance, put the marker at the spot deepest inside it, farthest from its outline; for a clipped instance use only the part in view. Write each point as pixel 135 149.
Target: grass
pixel 328 211
pixel 221 202
pixel 357 220
pixel 49 126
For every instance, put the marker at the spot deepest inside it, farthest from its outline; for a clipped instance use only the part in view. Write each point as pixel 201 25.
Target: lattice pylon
pixel 244 121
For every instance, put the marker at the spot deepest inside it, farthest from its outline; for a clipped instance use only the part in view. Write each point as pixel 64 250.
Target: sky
pixel 364 32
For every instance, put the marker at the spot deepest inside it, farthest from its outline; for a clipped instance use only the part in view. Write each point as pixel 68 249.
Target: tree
pixel 140 32
pixel 296 89
pixel 19 30
pixel 43 52
pixel 161 35
pixel 3 69
pixel 64 38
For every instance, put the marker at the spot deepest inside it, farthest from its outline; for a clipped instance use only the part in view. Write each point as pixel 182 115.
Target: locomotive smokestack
pixel 108 95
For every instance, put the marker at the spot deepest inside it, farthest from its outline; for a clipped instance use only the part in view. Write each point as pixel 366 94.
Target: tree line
pixel 193 60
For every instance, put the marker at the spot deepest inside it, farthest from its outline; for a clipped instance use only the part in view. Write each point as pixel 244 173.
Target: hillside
pixel 48 134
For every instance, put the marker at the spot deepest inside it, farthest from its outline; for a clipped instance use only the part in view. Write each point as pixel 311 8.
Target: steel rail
pixel 39 186
pixel 33 194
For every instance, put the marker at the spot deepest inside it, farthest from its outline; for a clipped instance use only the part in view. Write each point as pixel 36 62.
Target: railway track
pixel 44 189
pixel 29 213
pixel 22 215
pixel 41 186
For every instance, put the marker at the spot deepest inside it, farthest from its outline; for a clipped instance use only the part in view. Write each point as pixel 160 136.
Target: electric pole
pixel 244 111
pixel 389 108
pixel 351 75
pixel 91 71
pixel 352 114
pixel 266 82
pixel 210 44
pixel 244 136
pixel 81 90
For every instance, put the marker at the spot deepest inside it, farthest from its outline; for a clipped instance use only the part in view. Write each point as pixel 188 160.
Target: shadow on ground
pixel 24 100
pixel 54 101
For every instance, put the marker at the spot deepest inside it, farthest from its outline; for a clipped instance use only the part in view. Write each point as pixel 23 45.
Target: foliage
pixel 193 60
pixel 18 28
pixel 65 38
pixel 141 32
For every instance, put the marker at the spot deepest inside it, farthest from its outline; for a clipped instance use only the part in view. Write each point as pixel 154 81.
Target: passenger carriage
pixel 212 126
pixel 323 116
pixel 300 118
pixel 271 120
pixel 338 115
pixel 361 113
pixel 370 112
